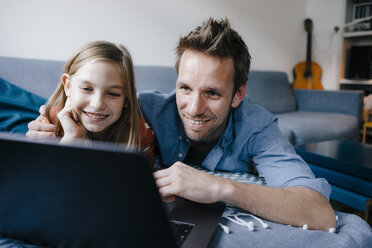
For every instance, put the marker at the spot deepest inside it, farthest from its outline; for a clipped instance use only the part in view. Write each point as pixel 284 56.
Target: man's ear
pixel 65 79
pixel 239 96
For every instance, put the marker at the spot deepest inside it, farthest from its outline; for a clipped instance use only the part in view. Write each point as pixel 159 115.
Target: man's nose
pixel 97 101
pixel 197 105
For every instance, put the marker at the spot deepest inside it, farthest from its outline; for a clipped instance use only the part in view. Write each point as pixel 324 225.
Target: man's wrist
pixel 226 189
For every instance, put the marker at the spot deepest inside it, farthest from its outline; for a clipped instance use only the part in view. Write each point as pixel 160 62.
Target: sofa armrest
pixel 344 102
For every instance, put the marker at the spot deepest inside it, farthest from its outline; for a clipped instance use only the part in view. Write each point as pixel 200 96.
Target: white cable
pixel 329 44
pixel 249 224
pixel 226 229
pixel 264 225
pixel 236 222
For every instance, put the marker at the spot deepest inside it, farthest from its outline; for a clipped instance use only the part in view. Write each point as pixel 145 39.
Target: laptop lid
pixel 98 196
pixel 68 196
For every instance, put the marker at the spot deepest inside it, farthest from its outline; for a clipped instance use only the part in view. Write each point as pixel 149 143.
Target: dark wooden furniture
pixel 347 166
pixel 364 85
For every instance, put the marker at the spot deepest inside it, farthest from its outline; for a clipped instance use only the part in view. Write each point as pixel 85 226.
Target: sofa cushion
pixel 317 126
pixel 35 75
pixel 272 90
pixel 17 107
pixel 160 78
pixel 287 132
pixel 42 76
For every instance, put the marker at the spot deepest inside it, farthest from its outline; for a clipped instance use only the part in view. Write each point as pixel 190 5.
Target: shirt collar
pixel 216 154
pixel 229 133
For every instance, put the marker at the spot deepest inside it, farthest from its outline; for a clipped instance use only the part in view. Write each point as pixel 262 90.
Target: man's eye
pixel 185 88
pixel 213 93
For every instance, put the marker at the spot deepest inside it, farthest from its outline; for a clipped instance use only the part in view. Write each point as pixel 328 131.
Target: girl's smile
pixel 95 116
pixel 97 95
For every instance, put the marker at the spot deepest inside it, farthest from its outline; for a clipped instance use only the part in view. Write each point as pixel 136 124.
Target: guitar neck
pixel 308 56
pixel 307 75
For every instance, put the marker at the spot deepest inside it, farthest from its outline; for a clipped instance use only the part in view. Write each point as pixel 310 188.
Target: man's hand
pixel 295 206
pixel 187 182
pixel 41 127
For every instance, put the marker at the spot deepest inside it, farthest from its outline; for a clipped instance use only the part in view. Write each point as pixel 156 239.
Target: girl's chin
pixel 97 133
pixel 95 130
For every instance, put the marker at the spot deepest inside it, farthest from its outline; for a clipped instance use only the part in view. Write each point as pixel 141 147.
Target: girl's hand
pixel 69 119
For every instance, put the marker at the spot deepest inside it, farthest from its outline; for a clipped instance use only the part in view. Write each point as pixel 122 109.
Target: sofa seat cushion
pixel 287 132
pixel 299 126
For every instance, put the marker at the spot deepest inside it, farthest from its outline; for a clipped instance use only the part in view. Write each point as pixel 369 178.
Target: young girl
pixel 96 99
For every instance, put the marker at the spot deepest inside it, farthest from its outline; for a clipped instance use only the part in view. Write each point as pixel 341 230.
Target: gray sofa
pixel 304 115
pixel 307 115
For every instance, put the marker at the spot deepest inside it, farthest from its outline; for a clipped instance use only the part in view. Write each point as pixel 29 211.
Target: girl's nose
pixel 97 102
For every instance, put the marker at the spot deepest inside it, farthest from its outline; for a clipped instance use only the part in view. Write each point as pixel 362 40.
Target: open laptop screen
pixel 74 196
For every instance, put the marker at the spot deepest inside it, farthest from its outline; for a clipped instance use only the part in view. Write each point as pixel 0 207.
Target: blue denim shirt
pixel 252 133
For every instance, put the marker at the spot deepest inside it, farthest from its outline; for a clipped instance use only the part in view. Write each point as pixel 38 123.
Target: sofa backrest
pixel 268 88
pixel 37 76
pixel 272 90
pixel 162 78
pixel 41 77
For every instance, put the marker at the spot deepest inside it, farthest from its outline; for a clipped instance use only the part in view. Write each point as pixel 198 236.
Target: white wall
pixel 272 29
pixel 327 44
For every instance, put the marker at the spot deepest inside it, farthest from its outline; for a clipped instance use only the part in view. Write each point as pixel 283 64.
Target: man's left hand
pixel 187 182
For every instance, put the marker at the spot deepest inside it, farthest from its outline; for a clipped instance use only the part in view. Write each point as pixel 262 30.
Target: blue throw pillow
pixel 17 107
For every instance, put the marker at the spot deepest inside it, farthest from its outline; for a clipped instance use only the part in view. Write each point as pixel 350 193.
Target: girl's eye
pixel 86 89
pixel 114 94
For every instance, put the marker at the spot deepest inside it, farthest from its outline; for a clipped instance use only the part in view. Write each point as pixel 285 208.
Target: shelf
pixel 357 34
pixel 357 45
pixel 356 81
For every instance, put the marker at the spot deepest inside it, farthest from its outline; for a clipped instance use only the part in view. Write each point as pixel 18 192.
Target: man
pixel 208 122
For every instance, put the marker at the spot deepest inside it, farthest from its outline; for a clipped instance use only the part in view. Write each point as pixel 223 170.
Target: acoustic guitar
pixel 307 74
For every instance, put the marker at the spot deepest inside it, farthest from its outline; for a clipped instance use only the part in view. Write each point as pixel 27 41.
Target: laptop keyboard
pixel 180 230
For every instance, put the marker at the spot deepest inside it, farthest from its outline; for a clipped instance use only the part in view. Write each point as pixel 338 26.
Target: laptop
pixel 97 196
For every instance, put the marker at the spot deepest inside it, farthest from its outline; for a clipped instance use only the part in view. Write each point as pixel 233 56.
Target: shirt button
pixel 180 137
pixel 180 155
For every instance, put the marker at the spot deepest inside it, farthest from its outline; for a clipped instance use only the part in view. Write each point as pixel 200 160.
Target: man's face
pixel 205 95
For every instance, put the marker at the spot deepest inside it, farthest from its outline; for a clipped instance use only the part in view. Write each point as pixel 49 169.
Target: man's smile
pixel 196 123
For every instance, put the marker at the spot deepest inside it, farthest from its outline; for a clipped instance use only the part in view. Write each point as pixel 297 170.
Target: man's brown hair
pixel 218 39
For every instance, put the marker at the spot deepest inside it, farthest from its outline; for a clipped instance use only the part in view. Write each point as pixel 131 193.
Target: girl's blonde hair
pixel 126 129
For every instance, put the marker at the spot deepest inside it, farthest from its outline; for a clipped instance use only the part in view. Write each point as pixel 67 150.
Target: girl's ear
pixel 65 79
pixel 239 96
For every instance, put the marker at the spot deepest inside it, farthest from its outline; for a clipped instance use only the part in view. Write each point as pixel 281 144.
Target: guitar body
pixel 310 82
pixel 307 74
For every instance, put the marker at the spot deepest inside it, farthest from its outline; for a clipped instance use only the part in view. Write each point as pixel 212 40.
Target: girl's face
pixel 96 92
